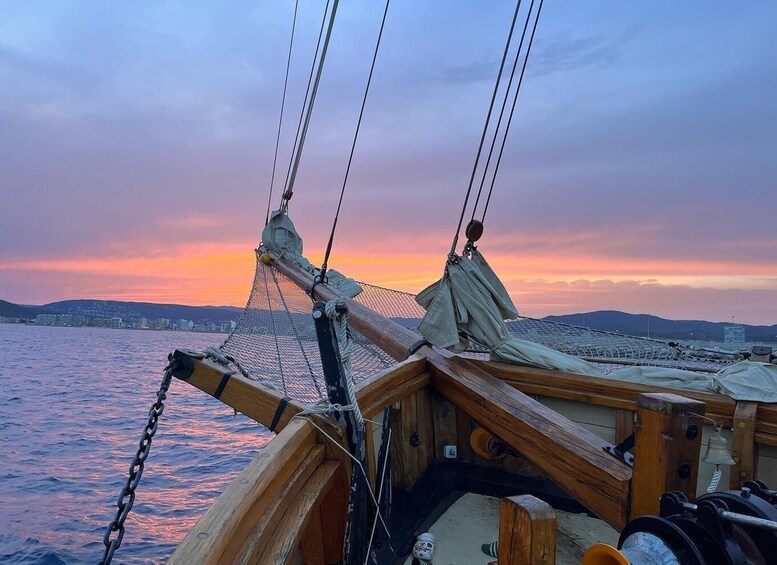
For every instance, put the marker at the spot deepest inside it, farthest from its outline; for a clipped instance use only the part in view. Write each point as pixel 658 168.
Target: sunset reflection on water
pixel 72 408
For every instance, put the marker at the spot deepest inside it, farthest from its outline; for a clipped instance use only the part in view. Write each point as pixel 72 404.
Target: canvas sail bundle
pixel 471 303
pixel 280 237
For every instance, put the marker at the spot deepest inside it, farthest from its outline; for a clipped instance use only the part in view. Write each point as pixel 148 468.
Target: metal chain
pixel 127 494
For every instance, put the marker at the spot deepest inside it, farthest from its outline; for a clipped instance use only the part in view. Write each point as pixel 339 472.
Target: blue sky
pixel 639 173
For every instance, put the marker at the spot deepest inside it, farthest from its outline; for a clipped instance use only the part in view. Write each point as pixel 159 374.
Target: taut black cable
pixel 512 110
pixel 502 110
pixel 283 104
pixel 355 138
pixel 305 101
pixel 485 127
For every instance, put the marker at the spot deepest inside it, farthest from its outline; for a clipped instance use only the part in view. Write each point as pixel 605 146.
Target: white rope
pixel 326 408
pixel 380 496
pixel 215 354
pixel 359 463
pixel 340 323
pixel 716 476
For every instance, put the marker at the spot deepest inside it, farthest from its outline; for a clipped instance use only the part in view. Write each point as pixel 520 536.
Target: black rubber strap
pixel 223 384
pixel 417 345
pixel 279 412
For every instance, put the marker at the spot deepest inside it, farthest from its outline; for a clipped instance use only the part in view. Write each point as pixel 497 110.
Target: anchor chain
pixel 127 494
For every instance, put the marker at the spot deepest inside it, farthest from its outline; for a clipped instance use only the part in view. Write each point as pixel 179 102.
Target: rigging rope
pixel 512 110
pixel 353 145
pixel 498 128
pixel 502 109
pixel 283 104
pixel 307 94
pixel 485 127
pixel 288 192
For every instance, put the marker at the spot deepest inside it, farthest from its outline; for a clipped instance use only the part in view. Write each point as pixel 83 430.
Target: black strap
pixel 279 412
pixel 223 384
pixel 417 345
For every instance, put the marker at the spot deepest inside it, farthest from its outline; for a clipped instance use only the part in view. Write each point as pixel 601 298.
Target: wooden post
pixel 527 532
pixel 666 454
pixel 624 424
pixel 743 444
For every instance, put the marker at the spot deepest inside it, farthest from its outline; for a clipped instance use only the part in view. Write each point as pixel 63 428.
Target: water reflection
pixel 72 407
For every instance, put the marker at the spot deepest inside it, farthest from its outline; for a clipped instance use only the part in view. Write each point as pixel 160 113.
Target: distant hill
pixel 640 324
pixel 127 310
pixel 12 310
pixel 606 320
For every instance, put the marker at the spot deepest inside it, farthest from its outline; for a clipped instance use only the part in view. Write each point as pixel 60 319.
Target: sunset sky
pixel 136 144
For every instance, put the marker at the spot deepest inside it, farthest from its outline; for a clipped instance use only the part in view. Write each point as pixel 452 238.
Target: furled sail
pixel 470 302
pixel 281 237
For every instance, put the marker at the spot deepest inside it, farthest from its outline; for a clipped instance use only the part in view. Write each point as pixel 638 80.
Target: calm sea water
pixel 73 403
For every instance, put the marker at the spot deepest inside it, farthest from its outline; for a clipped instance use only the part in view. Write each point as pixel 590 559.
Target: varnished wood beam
pixel 527 531
pixel 390 385
pixel 743 444
pixel 600 391
pixel 567 453
pixel 388 335
pixel 666 452
pixel 247 396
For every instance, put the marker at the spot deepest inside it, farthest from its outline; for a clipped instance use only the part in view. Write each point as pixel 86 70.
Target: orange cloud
pixel 541 282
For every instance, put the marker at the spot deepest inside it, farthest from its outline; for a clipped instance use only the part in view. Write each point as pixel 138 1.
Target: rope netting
pixel 275 342
pixel 602 347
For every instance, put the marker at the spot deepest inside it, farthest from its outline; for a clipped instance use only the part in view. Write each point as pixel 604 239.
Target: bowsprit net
pixel 275 343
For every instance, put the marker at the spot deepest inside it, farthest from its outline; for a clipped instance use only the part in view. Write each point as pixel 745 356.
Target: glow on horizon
pixel 221 274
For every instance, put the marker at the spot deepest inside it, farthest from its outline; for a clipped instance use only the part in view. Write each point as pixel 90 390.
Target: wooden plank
pixel 410 422
pixel 624 424
pixel 225 527
pixel 283 541
pixel 444 422
pixel 663 450
pixel 568 454
pixel 464 427
pixel 767 413
pixel 766 439
pixel 266 525
pixel 240 393
pixel 389 386
pixel 599 390
pixel 743 446
pixel 527 531
pixel 425 428
pixel 334 514
pixel 312 541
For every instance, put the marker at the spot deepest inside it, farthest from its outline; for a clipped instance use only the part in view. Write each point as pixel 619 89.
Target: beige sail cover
pixel 470 303
pixel 281 237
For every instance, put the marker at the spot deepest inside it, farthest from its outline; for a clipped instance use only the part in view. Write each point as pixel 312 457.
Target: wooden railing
pixel 753 424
